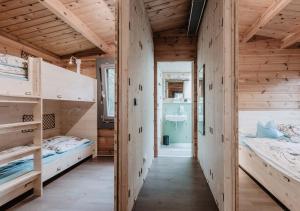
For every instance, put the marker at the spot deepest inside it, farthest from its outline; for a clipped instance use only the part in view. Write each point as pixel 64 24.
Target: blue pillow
pixel 268 131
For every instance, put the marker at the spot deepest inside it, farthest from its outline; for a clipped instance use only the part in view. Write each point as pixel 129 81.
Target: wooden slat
pixel 14 4
pixel 35 28
pixel 15 183
pixel 66 15
pixel 43 32
pixel 14 127
pixel 174 45
pixel 21 11
pixel 165 15
pixel 37 52
pixel 16 101
pixel 268 80
pixel 19 19
pixel 5 158
pixel 29 23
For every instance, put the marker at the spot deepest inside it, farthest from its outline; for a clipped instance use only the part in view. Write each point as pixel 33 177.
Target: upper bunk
pixel 35 78
pixel 58 83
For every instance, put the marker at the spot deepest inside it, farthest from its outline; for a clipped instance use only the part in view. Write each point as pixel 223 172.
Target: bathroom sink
pixel 176 118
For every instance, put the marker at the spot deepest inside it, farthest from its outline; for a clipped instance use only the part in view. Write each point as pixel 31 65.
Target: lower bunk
pixel 59 153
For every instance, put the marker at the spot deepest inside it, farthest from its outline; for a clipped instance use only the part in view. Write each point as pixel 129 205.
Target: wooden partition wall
pixel 135 96
pixel 217 147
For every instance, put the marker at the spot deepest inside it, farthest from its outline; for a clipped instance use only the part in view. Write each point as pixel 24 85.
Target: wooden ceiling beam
pixel 265 18
pixel 59 9
pixel 291 39
pixel 86 53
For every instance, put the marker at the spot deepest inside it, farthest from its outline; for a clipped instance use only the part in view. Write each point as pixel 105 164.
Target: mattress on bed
pixel 61 144
pixel 282 155
pixel 24 165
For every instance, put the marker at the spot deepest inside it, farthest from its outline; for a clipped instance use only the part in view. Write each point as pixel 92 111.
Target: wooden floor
pixel 175 184
pixel 252 197
pixel 88 187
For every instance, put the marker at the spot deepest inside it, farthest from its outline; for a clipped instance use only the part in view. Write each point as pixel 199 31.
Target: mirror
pixel 174 89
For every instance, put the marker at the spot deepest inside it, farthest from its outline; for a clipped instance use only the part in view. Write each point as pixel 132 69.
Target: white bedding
pixel 282 155
pixel 51 146
pixel 61 144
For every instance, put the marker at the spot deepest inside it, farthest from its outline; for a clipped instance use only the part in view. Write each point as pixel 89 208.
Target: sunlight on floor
pixel 176 150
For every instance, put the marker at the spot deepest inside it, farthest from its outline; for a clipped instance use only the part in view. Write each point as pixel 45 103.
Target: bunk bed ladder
pixel 32 179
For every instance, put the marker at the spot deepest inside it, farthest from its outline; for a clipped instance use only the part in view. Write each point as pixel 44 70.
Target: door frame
pixel 194 106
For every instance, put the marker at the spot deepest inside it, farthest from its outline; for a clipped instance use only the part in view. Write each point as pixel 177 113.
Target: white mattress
pixel 61 144
pixel 282 155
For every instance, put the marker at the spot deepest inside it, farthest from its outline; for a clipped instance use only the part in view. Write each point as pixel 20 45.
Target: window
pixel 108 91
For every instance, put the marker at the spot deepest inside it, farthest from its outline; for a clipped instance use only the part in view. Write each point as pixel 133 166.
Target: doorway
pixel 174 109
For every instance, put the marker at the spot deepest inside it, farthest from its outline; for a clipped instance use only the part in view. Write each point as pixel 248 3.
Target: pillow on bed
pixel 268 131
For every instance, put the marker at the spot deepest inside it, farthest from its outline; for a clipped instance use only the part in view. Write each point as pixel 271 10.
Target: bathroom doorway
pixel 174 109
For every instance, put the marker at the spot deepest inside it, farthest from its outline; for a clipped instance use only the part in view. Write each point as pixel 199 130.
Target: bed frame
pixel 280 185
pixel 51 170
pixel 66 161
pixel 283 187
pixel 70 96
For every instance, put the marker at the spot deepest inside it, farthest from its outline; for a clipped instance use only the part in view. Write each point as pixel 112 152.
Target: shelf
pixel 20 96
pixel 14 127
pixel 20 101
pixel 5 158
pixel 19 181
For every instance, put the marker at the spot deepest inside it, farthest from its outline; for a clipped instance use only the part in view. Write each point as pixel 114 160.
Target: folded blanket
pixel 290 131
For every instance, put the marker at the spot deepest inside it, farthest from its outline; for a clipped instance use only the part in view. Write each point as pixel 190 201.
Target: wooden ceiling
pixel 168 14
pixel 98 15
pixel 32 22
pixel 277 19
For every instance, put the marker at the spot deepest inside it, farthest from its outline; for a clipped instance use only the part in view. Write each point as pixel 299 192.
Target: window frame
pixel 104 91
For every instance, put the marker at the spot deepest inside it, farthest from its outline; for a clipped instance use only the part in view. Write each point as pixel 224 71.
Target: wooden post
pixel 155 110
pixel 37 141
pixel 195 109
pixel 122 105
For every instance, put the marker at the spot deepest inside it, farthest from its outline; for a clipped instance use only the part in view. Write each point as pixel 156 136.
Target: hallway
pixel 175 184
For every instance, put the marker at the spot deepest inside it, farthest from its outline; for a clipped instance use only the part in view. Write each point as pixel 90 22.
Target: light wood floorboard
pixel 88 187
pixel 252 197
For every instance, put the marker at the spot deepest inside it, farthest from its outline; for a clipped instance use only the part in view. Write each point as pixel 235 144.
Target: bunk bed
pixel 48 124
pixel 274 163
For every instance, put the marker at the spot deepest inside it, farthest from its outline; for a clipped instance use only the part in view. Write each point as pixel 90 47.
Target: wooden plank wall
pixel 174 45
pixel 269 77
pixel 216 42
pixel 135 116
pixel 105 142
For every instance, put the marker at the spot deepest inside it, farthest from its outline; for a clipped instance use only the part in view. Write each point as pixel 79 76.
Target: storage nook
pixel 48 123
